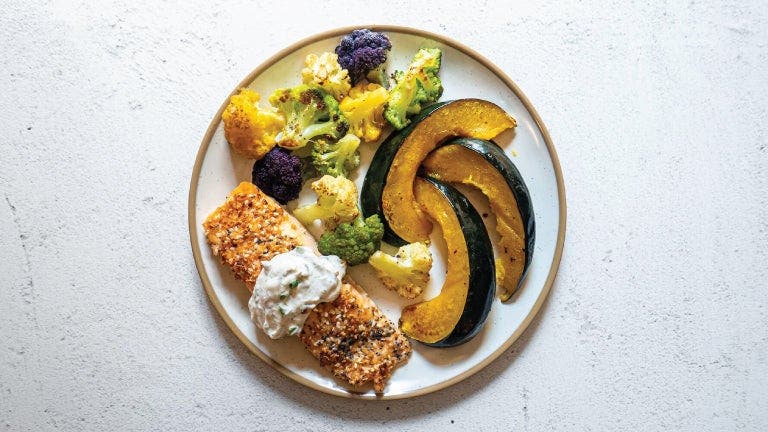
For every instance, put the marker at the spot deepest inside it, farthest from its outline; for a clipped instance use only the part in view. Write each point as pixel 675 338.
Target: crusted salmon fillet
pixel 251 227
pixel 350 336
pixel 354 340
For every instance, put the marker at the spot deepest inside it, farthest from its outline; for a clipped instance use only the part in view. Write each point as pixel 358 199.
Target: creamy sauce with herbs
pixel 289 286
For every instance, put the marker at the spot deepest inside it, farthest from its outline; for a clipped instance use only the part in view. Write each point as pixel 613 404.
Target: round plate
pixel 464 73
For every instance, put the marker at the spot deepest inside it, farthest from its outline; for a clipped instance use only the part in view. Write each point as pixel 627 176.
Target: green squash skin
pixel 494 155
pixel 376 177
pixel 482 276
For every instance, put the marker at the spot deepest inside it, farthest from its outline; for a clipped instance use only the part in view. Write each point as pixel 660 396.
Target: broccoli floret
pixel 362 51
pixel 249 129
pixel 278 174
pixel 363 107
pixel 308 170
pixel 336 202
pixel 414 88
pixel 353 242
pixel 336 158
pixel 309 112
pixel 407 272
pixel 326 72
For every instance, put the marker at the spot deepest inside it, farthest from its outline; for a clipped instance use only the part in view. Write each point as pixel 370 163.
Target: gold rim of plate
pixel 193 225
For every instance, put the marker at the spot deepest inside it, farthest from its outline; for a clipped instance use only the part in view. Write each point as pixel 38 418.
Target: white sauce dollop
pixel 289 286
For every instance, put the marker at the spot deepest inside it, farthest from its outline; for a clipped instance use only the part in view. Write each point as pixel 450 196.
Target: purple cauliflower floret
pixel 278 174
pixel 361 51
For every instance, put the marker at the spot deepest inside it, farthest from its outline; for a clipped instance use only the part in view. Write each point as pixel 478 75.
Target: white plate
pixel 464 73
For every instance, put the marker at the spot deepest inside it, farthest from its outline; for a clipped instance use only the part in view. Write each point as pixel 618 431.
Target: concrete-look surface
pixel 658 319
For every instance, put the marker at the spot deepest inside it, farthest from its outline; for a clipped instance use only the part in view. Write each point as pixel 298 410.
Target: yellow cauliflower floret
pixel 250 130
pixel 363 108
pixel 325 71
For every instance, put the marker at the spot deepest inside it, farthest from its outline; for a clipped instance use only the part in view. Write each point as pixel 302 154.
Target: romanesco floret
pixel 336 202
pixel 325 71
pixel 407 272
pixel 364 107
pixel 414 88
pixel 309 112
pixel 353 242
pixel 249 129
pixel 336 158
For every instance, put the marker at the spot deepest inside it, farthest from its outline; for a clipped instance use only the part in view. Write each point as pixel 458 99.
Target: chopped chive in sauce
pixel 292 330
pixel 294 284
pixel 282 310
pixel 283 296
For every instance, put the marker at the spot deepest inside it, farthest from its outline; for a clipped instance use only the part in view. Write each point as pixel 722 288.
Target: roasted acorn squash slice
pixel 405 221
pixel 376 177
pixel 457 314
pixel 485 166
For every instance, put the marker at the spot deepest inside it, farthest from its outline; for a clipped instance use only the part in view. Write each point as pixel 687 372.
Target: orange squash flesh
pixel 464 117
pixel 456 164
pixel 433 320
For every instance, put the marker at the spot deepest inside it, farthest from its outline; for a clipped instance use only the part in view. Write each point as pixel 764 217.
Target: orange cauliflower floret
pixel 325 71
pixel 251 130
pixel 363 108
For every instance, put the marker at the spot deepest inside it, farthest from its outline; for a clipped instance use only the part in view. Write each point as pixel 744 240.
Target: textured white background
pixel 658 319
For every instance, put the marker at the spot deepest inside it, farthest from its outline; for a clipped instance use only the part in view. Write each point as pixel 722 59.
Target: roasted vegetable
pixel 414 88
pixel 325 71
pixel 309 112
pixel 249 129
pixel 308 170
pixel 353 242
pixel 407 272
pixel 336 202
pixel 406 222
pixel 375 178
pixel 485 166
pixel 336 158
pixel 363 107
pixel 378 76
pixel 457 314
pixel 278 174
pixel 362 51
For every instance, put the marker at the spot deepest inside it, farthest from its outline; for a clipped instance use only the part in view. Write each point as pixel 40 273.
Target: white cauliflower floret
pixel 336 202
pixel 325 71
pixel 407 272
